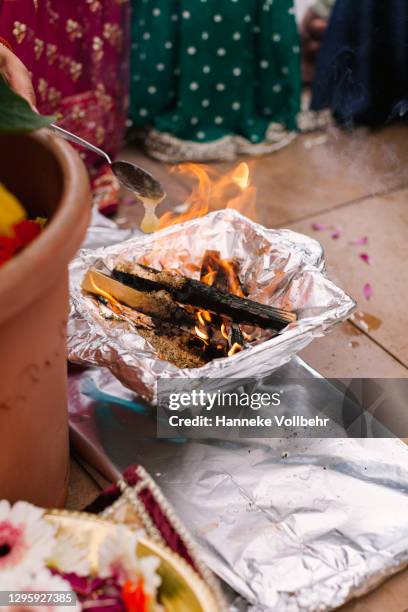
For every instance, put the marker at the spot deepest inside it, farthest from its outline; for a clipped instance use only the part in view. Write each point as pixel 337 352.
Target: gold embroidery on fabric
pixel 113 34
pixel 53 15
pixel 73 29
pixel 75 70
pixel 19 31
pixel 42 88
pixel 94 5
pixel 77 113
pixel 104 99
pixel 63 62
pixel 54 96
pixel 97 48
pixel 51 53
pixel 35 2
pixel 100 134
pixel 38 48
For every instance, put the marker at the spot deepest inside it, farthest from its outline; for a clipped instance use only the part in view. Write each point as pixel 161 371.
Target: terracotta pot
pixel 49 178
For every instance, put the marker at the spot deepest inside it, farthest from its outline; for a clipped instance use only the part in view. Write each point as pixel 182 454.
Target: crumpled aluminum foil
pixel 292 525
pixel 278 267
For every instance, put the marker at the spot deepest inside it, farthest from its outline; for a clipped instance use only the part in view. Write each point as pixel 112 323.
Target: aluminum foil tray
pixel 277 267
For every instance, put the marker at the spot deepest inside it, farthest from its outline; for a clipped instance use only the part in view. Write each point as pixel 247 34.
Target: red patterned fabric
pixel 77 53
pixel 158 514
pixel 106 190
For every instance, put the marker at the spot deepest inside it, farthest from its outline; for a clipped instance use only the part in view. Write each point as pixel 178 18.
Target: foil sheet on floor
pixel 289 524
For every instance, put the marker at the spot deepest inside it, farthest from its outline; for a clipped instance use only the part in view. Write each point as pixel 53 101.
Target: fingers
pixel 17 75
pixel 313 47
pixel 317 28
pixel 313 26
pixel 312 31
pixel 305 23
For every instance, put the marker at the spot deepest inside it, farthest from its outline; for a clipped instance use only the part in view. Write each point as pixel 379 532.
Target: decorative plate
pixel 182 590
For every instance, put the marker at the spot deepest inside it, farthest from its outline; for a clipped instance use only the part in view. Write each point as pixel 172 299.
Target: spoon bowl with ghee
pixel 145 187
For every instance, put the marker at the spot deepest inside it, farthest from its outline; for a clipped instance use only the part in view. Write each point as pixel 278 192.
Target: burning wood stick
pixel 172 343
pixel 169 341
pixel 158 304
pixel 189 291
pixel 223 274
pixel 170 329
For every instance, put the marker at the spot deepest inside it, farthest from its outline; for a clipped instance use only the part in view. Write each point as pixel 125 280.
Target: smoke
pixel 364 161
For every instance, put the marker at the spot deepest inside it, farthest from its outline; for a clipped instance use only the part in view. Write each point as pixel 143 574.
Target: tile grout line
pixel 377 343
pixel 345 205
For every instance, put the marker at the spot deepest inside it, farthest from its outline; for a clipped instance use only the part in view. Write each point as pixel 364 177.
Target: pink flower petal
pixel 367 291
pixel 13 544
pixel 336 234
pixel 365 257
pixel 320 227
pixel 360 241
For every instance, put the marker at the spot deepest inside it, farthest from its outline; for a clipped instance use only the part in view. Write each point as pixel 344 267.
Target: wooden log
pixel 159 304
pixel 190 291
pixel 223 274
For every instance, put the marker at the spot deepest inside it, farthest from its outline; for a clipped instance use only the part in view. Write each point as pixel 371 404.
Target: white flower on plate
pixel 148 568
pixel 118 557
pixel 26 540
pixel 69 556
pixel 42 581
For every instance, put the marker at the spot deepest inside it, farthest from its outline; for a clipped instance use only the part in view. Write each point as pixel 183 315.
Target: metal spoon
pixel 134 178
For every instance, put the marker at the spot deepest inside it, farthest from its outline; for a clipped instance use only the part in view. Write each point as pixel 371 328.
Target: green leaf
pixel 16 115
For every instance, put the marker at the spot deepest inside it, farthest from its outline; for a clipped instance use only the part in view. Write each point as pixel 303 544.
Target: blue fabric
pixel 362 70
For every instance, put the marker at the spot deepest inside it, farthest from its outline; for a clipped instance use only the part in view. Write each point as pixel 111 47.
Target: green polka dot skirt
pixel 206 70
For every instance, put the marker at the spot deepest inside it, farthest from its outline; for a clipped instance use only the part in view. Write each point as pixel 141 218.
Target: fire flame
pixel 209 278
pixel 116 306
pixel 234 349
pixel 213 191
pixel 224 331
pixel 241 176
pixel 203 317
pixel 221 273
pixel 201 333
pixel 233 281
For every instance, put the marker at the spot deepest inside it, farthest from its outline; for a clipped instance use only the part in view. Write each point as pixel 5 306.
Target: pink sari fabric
pixel 77 52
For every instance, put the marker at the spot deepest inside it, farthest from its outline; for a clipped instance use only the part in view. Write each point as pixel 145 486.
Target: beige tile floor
pixel 385 221
pixel 359 184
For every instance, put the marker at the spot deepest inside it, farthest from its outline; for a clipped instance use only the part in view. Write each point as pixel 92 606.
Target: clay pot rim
pixel 61 237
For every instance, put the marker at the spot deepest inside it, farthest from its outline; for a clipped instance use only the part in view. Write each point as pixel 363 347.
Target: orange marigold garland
pixel 134 596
